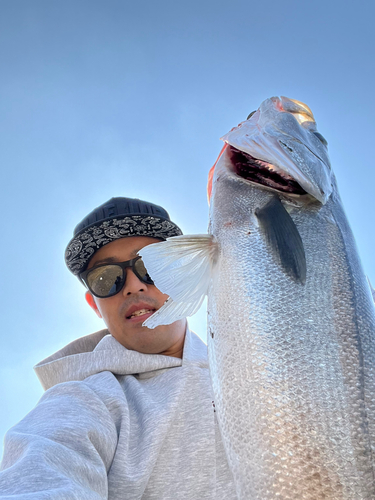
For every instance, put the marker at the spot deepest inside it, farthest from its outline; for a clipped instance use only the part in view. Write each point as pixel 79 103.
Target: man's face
pixel 125 312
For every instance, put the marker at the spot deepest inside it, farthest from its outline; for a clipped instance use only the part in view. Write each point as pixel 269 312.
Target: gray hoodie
pixel 118 424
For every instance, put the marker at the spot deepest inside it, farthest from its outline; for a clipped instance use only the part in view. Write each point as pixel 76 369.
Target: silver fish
pixel 291 320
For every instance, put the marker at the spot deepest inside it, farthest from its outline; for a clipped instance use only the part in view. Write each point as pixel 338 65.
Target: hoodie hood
pixel 101 352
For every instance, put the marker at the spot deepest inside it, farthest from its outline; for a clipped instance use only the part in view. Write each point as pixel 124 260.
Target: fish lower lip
pixel 258 171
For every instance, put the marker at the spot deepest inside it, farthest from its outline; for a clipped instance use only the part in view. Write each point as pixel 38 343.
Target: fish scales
pixel 294 382
pixel 291 318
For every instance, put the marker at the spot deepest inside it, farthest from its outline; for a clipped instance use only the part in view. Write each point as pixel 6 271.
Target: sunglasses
pixel 108 279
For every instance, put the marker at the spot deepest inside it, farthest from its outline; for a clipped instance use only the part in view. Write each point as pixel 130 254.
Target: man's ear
pixel 91 302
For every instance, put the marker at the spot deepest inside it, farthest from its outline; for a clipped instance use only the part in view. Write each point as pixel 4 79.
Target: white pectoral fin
pixel 172 311
pixel 180 267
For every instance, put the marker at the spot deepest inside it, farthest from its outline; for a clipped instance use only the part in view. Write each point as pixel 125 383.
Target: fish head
pixel 278 148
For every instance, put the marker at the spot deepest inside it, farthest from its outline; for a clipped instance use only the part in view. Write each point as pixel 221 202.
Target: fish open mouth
pixel 261 172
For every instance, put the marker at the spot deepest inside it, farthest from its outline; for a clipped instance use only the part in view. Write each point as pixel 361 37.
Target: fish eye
pixel 250 115
pixel 321 138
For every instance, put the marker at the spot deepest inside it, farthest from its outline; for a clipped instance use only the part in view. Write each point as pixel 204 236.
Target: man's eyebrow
pixel 112 260
pixel 107 260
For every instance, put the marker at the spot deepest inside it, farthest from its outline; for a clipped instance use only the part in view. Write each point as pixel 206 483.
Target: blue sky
pixel 119 98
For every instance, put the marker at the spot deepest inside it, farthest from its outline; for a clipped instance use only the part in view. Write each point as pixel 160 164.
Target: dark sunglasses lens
pixel 141 272
pixel 105 281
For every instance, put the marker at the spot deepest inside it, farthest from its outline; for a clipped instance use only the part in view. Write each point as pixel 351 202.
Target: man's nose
pixel 133 284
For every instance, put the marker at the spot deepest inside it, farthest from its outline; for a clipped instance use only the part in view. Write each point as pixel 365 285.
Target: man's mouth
pixel 141 312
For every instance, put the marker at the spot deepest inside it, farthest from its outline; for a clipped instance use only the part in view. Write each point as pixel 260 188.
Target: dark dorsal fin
pixel 283 238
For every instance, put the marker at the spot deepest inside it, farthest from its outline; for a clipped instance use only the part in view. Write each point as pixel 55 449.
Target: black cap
pixel 117 218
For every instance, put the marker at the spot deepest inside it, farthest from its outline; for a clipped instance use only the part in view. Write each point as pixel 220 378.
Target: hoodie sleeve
pixel 61 450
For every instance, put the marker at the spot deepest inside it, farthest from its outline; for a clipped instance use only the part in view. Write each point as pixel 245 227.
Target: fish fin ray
pixel 172 311
pixel 180 267
pixel 283 238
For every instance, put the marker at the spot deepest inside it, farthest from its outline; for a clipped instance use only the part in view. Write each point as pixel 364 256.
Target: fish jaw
pixel 283 134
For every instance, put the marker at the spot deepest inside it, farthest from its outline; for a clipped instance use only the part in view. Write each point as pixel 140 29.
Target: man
pixel 128 411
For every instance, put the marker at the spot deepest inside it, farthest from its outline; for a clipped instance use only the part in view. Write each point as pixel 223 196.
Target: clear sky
pixel 123 98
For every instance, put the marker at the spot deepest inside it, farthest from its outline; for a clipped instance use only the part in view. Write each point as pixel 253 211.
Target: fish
pixel 290 314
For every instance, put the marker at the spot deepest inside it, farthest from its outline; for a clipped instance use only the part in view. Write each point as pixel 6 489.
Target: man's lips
pixel 141 318
pixel 139 311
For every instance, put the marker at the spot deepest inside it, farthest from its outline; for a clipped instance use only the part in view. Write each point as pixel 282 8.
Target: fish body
pixel 291 341
pixel 292 365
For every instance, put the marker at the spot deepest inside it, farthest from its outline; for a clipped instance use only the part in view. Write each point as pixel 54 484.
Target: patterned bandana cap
pixel 117 218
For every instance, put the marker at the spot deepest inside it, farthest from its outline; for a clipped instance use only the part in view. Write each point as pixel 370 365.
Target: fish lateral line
pixel 283 239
